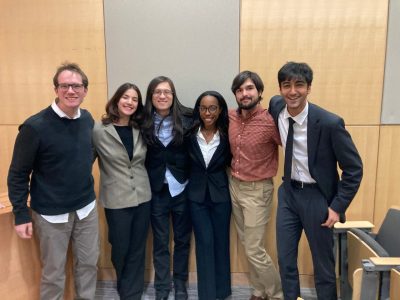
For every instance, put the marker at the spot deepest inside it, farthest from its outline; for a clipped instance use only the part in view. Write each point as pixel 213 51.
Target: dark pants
pixel 298 209
pixel 211 231
pixel 163 205
pixel 127 234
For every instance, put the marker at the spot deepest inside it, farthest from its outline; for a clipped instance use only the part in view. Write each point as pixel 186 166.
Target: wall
pixel 344 42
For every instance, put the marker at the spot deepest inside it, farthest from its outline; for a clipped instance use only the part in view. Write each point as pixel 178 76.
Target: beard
pixel 250 105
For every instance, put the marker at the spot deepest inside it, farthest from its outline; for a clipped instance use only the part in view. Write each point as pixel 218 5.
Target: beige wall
pixel 343 41
pixel 345 44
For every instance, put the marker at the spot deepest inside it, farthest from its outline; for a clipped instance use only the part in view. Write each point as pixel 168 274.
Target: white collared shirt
pixel 84 211
pixel 208 150
pixel 300 171
pixel 62 114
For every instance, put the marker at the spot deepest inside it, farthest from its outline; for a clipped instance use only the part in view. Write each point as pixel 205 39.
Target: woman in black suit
pixel 208 192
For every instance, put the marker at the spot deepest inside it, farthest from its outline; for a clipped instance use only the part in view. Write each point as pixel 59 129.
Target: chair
pixel 371 257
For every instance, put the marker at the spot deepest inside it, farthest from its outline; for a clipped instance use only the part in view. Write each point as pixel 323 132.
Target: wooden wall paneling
pixel 36 37
pixel 19 263
pixel 366 139
pixel 344 42
pixel 8 134
pixel 388 173
pixel 394 284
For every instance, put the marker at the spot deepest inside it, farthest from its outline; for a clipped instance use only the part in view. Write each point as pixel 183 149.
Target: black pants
pixel 127 234
pixel 163 205
pixel 304 209
pixel 211 226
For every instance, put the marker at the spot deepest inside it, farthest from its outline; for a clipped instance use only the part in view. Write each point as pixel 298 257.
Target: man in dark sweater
pixel 52 161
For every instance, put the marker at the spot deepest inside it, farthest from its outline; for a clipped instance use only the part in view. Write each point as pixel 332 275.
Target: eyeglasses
pixel 75 87
pixel 165 92
pixel 211 109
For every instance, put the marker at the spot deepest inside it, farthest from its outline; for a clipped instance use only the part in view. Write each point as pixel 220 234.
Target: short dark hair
pixel 223 119
pixel 242 77
pixel 294 70
pixel 112 114
pixel 73 67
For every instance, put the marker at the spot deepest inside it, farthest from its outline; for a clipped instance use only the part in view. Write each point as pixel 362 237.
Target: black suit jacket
pixel 174 157
pixel 214 176
pixel 328 145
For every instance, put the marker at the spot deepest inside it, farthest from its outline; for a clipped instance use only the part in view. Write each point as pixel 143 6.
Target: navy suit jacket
pixel 328 145
pixel 214 176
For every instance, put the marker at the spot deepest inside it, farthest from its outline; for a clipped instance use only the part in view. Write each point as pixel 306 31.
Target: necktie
pixel 288 154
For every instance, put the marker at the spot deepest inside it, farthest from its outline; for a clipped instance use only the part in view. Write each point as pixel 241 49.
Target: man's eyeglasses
pixel 165 92
pixel 211 109
pixel 75 87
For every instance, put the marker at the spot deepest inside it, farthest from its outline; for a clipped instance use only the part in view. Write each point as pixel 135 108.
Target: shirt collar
pixel 62 114
pixel 300 118
pixel 200 135
pixel 257 110
pixel 158 117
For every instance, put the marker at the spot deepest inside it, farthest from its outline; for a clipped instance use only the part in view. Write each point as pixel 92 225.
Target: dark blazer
pixel 175 157
pixel 329 144
pixel 214 176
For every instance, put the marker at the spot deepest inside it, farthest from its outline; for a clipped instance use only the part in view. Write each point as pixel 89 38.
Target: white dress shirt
pixel 300 171
pixel 208 150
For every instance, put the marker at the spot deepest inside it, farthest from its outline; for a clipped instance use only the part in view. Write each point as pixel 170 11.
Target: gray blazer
pixel 123 183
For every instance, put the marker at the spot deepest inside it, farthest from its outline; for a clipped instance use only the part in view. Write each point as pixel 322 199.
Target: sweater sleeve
pixel 25 149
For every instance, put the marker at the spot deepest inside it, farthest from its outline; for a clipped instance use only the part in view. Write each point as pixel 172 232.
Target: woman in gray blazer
pixel 124 187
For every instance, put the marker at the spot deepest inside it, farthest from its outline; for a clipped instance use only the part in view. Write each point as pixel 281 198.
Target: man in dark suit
pixel 312 196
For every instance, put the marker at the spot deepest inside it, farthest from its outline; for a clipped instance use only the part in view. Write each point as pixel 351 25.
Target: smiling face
pixel 209 111
pixel 295 92
pixel 127 105
pixel 162 98
pixel 247 95
pixel 70 92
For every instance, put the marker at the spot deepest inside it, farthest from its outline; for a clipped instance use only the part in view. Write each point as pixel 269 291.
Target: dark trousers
pixel 127 234
pixel 163 205
pixel 211 223
pixel 304 209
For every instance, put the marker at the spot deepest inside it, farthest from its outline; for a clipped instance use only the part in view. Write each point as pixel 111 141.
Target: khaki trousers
pixel 54 239
pixel 251 208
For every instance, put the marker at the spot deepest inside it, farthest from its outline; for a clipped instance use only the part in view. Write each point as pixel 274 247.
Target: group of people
pixel 164 164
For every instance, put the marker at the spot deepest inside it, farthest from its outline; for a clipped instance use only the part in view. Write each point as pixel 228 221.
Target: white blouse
pixel 208 150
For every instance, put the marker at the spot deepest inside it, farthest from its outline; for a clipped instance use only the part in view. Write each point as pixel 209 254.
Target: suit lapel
pixel 278 106
pixel 197 152
pixel 313 135
pixel 135 137
pixel 109 129
pixel 218 151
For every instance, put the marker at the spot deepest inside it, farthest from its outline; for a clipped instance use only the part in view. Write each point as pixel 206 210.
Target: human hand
pixel 333 217
pixel 24 231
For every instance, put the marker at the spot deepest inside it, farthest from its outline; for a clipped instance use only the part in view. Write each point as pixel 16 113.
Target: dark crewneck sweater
pixel 57 152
